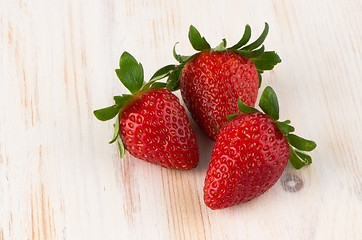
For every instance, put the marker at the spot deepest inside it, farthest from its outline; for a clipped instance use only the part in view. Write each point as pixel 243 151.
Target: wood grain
pixel 59 179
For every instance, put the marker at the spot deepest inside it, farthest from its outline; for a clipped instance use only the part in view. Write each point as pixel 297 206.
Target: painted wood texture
pixel 59 179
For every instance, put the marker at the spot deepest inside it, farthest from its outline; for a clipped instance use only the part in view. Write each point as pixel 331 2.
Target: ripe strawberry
pixel 251 153
pixel 151 123
pixel 212 80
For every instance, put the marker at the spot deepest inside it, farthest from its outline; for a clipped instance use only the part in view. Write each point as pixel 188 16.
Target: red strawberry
pixel 155 128
pixel 151 123
pixel 213 80
pixel 251 153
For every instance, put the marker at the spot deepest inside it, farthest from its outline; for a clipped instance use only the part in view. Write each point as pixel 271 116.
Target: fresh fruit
pixel 251 153
pixel 151 123
pixel 212 80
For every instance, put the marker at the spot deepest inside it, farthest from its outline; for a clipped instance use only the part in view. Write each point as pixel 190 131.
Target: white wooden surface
pixel 59 179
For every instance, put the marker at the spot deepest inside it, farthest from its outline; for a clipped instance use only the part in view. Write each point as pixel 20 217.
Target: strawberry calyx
pixel 298 145
pixel 131 75
pixel 255 51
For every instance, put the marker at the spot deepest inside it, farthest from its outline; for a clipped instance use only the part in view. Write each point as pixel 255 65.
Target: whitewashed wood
pixel 59 179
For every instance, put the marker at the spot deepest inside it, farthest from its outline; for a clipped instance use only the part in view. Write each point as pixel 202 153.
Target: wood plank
pixel 59 179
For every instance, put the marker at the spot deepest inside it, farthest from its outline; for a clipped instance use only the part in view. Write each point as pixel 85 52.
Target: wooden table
pixel 59 179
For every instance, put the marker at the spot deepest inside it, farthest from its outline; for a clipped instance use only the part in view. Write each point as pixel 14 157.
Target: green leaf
pixel 251 54
pixel 305 157
pixel 269 103
pixel 107 113
pixel 285 128
pixel 120 147
pixel 260 39
pixel 287 122
pixel 221 47
pixel 232 116
pixel 142 73
pixel 163 72
pixel 198 43
pixel 244 53
pixel 260 78
pixel 116 131
pixel 130 72
pixel 158 85
pixel 178 57
pixel 173 81
pixel 266 61
pixel 121 101
pixel 294 160
pixel 258 52
pixel 245 38
pixel 245 108
pixel 301 143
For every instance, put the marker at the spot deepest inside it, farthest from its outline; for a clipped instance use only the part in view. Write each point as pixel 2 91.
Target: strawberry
pixel 151 123
pixel 251 153
pixel 212 80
